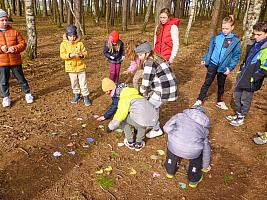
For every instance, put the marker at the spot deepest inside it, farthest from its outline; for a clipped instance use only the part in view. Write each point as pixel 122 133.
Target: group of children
pixel 137 108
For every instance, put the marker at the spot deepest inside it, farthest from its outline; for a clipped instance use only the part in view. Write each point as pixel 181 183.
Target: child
pixel 72 50
pixel 113 90
pixel 114 51
pixel 221 58
pixel 251 74
pixel 134 67
pixel 12 44
pixel 188 138
pixel 133 111
pixel 159 84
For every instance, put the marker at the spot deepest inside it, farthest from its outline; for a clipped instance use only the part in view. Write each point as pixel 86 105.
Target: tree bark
pixel 44 8
pixel 133 10
pixel 191 17
pixel 215 17
pixel 148 12
pixel 94 12
pixel 69 13
pixel 124 15
pixel 61 11
pixel 31 50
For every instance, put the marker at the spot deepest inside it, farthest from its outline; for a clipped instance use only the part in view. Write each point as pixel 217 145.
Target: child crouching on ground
pixel 134 111
pixel 72 50
pixel 188 138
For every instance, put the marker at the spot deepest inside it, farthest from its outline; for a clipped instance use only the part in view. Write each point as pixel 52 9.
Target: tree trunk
pixel 124 15
pixel 191 17
pixel 31 50
pixel 94 12
pixel 78 16
pixel 108 7
pixel 61 11
pixel 18 7
pixel 148 12
pixel 133 10
pixel 215 17
pixel 44 8
pixel 253 14
pixel 177 9
pixel 112 13
pixel 69 11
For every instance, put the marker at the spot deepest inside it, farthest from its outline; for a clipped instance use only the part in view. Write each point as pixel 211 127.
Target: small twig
pixel 20 148
pixel 244 197
pixel 108 192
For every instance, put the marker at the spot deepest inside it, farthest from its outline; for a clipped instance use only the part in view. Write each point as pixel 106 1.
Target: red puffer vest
pixel 163 45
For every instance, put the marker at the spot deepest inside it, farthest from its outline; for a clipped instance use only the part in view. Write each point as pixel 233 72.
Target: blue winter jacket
pixel 116 54
pixel 231 55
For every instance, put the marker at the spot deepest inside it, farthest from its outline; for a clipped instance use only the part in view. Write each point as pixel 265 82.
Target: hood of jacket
pixel 198 116
pixel 173 21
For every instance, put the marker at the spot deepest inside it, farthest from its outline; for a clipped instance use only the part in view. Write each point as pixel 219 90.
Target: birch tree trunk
pixel 253 14
pixel 124 15
pixel 31 50
pixel 18 7
pixel 148 12
pixel 192 6
pixel 95 13
pixel 215 17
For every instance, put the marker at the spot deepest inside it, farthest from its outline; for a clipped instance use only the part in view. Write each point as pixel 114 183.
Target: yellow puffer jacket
pixel 73 64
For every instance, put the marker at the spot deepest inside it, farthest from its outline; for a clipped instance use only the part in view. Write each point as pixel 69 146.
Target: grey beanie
pixel 3 13
pixel 71 30
pixel 200 108
pixel 143 48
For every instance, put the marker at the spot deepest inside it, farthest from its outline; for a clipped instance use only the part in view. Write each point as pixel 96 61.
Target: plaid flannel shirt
pixel 159 80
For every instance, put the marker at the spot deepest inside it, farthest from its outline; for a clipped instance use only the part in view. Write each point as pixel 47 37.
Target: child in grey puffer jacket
pixel 188 138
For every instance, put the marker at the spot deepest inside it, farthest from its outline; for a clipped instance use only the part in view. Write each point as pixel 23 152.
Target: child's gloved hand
pixel 4 48
pixel 206 169
pixel 202 62
pixel 112 57
pixel 80 54
pixel 11 49
pixel 227 72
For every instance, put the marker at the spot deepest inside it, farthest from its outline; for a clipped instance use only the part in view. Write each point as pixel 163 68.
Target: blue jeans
pixel 4 79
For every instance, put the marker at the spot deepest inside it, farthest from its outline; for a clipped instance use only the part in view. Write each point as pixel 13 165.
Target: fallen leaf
pixel 71 152
pixel 70 144
pixel 153 157
pixel 120 144
pixel 96 116
pixel 101 126
pixel 83 125
pixel 99 171
pixel 118 130
pixel 133 171
pixel 155 174
pixel 114 153
pixel 161 152
pixel 108 169
pixel 79 119
pixel 183 185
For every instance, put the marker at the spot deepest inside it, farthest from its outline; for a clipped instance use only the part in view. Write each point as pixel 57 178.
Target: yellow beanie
pixel 108 84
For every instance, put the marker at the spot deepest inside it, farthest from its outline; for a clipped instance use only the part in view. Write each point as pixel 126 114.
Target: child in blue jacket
pixel 222 57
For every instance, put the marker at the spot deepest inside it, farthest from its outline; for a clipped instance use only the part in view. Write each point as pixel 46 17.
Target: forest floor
pixel 30 134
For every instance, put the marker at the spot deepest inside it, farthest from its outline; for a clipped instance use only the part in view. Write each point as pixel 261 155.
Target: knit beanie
pixel 114 37
pixel 108 85
pixel 71 30
pixel 3 13
pixel 143 48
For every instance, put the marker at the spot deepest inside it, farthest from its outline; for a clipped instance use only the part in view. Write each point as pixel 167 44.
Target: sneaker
pixel 86 101
pixel 130 145
pixel 237 122
pixel 139 145
pixel 169 176
pixel 29 98
pixel 198 103
pixel 153 133
pixel 194 184
pixel 232 117
pixel 222 105
pixel 6 102
pixel 261 139
pixel 75 98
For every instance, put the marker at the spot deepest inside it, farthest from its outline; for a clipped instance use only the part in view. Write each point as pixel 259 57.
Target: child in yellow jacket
pixel 72 50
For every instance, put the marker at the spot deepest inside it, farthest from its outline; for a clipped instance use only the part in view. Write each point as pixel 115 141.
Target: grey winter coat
pixel 188 135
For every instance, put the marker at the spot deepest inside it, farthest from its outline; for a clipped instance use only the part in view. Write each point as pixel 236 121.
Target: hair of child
pixel 168 13
pixel 130 47
pixel 261 26
pixel 230 19
pixel 110 46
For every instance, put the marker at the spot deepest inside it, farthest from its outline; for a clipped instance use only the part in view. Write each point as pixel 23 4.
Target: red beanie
pixel 115 36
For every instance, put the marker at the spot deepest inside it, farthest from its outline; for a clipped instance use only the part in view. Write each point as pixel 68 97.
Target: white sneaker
pixel 198 103
pixel 6 102
pixel 29 98
pixel 222 105
pixel 153 133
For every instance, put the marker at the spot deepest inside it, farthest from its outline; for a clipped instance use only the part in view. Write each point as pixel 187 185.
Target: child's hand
pixel 11 49
pixel 122 58
pixel 126 72
pixel 102 118
pixel 227 71
pixel 80 54
pixel 202 62
pixel 4 48
pixel 171 61
pixel 112 57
